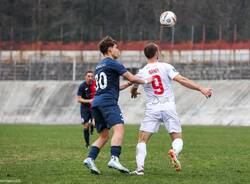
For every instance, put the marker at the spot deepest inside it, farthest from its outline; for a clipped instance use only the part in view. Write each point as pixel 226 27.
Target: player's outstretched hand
pixel 90 101
pixel 149 80
pixel 207 92
pixel 134 92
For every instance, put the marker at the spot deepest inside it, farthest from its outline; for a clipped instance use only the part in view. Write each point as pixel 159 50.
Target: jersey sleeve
pixel 80 90
pixel 119 68
pixel 172 72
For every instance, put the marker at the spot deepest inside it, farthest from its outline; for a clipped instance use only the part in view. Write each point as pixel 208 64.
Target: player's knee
pixel 142 140
pixel 85 125
pixel 104 136
pixel 144 137
pixel 118 131
pixel 105 139
pixel 119 128
pixel 175 135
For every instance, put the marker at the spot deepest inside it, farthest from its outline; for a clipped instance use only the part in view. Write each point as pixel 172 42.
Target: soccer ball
pixel 168 18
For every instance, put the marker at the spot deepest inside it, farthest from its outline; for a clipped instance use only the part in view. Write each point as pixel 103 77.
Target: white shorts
pixel 153 119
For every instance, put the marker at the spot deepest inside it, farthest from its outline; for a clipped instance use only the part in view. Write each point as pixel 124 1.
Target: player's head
pixel 151 50
pixel 108 47
pixel 88 76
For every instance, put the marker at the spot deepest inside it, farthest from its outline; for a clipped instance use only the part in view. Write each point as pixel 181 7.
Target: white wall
pixel 54 103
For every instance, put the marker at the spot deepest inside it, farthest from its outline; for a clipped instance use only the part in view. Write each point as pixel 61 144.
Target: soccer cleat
pixel 137 172
pixel 115 164
pixel 89 163
pixel 176 163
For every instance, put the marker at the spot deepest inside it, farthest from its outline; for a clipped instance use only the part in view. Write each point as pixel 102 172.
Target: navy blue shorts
pixel 107 116
pixel 86 115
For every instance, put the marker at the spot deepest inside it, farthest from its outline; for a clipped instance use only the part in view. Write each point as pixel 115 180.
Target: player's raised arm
pixel 134 79
pixel 207 92
pixel 125 85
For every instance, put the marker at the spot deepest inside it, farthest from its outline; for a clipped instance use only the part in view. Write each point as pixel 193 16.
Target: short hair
pixel 105 43
pixel 89 71
pixel 150 50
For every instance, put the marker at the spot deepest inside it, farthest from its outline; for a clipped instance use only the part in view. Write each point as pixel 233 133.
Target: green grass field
pixel 53 154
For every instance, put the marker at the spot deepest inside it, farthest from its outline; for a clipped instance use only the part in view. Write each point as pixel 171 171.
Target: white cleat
pixel 115 164
pixel 176 163
pixel 90 164
pixel 137 172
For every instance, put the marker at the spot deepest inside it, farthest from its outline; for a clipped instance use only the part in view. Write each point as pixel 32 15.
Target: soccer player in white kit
pixel 160 106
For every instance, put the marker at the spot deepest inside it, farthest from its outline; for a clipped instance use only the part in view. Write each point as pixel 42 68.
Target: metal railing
pixel 71 65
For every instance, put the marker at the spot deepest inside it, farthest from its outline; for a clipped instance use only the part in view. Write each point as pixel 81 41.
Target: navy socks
pixel 94 151
pixel 115 151
pixel 86 135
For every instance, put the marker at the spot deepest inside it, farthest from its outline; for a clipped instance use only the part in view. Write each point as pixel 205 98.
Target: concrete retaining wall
pixel 54 102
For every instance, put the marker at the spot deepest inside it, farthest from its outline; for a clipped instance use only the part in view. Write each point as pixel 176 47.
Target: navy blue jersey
pixel 85 92
pixel 107 76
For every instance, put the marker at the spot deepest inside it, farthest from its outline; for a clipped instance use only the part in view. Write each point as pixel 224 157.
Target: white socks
pixel 177 145
pixel 141 152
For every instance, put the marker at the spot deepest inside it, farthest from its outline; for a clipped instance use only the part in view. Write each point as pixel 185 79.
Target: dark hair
pixel 89 71
pixel 105 43
pixel 150 50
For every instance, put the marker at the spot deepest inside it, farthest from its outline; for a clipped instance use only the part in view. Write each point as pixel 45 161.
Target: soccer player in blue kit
pixel 106 111
pixel 85 95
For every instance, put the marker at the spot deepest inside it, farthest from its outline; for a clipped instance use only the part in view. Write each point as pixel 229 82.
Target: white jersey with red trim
pixel 160 91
